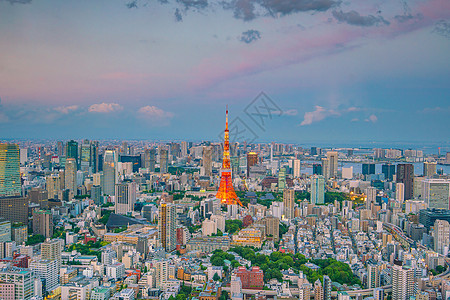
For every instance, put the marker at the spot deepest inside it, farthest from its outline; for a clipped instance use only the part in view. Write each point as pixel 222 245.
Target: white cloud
pixel 66 109
pixel 372 118
pixel 105 107
pixel 317 115
pixel 154 112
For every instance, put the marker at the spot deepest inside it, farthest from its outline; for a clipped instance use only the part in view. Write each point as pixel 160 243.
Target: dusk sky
pixel 339 71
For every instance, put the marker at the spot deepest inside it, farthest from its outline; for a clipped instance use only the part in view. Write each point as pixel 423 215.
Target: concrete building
pixel 70 173
pixel 46 270
pixel 317 189
pixel 5 230
pixel 332 157
pixel 43 223
pixel 436 193
pixel 125 197
pixel 441 236
pixel 167 226
pixel 51 250
pixel 10 182
pixel 23 280
pixel 209 227
pixel 402 281
pixel 288 201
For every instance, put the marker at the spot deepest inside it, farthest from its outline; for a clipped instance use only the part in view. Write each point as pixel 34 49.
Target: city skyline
pixel 339 72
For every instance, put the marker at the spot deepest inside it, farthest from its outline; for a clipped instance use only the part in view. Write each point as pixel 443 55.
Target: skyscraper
pixel 43 223
pixel 252 159
pixel 441 236
pixel 207 160
pixel 400 192
pixel 288 201
pixel 166 226
pixel 317 169
pixel 72 151
pixel 281 179
pixel 152 162
pixel 371 194
pixel 94 159
pixel 325 168
pixel 163 161
pixel 317 189
pixel 368 168
pixel 109 172
pixel 70 174
pixel 405 175
pixel 10 182
pixel 125 197
pixel 296 167
pixel 332 157
pixel 85 164
pixel 402 281
pixel 53 185
pixel 389 171
pixel 318 290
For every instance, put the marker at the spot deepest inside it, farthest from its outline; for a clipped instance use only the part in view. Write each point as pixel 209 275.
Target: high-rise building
pixel 288 201
pixel 184 151
pixel 318 290
pixel 161 272
pixel 326 168
pixel 70 174
pixel 53 185
pixel 373 275
pixel 326 288
pixel 368 168
pixel 95 158
pixel 281 179
pixel 163 161
pixel 272 227
pixel 402 281
pixel 72 151
pixel 51 250
pixel 332 157
pixel 429 169
pixel 85 160
pixel 109 172
pixel 436 193
pixel 252 159
pixel 125 197
pixel 19 234
pixel 405 175
pixel 207 160
pixel 389 171
pixel 371 194
pixel 10 182
pixel 47 271
pixel 296 168
pixel 441 236
pixel 317 189
pixel 167 226
pixel 317 169
pixel 96 194
pixel 400 192
pixel 43 223
pixel 152 162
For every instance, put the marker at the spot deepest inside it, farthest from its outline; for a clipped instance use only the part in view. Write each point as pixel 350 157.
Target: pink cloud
pixel 105 107
pixel 296 48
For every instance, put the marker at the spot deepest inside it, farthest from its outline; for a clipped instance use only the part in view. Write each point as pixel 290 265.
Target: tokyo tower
pixel 226 192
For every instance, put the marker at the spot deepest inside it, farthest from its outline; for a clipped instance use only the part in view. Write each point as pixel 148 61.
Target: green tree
pixel 216 277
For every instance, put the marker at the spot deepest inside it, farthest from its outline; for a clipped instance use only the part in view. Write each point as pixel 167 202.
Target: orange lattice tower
pixel 226 192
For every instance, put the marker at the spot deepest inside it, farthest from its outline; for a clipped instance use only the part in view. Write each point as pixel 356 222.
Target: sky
pixel 304 71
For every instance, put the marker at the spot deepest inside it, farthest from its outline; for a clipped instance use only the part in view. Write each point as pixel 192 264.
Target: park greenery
pixel 233 226
pixel 438 270
pixel 105 216
pixel 90 248
pixel 35 239
pixel 273 264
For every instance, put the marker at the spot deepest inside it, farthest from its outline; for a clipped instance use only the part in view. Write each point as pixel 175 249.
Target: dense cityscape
pixel 212 220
